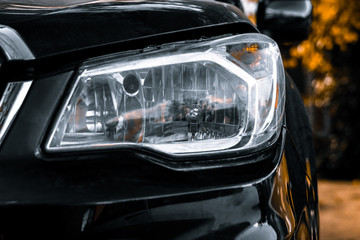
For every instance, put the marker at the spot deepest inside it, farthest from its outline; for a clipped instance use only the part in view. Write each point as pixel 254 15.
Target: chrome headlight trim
pixel 258 69
pixel 11 100
pixel 13 45
pixel 10 103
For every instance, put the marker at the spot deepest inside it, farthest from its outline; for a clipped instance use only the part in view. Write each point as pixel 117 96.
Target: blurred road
pixel 339 210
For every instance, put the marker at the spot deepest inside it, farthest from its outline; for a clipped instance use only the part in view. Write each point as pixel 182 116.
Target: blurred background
pixel 326 69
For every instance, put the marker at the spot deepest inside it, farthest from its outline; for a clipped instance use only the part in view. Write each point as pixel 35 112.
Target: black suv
pixel 152 120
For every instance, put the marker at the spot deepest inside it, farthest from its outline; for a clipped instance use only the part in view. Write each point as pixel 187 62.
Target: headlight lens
pixel 225 94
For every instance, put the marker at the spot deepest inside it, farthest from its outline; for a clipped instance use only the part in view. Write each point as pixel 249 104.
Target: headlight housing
pixel 220 95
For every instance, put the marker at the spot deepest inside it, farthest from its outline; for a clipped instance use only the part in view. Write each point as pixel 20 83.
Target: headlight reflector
pixel 211 96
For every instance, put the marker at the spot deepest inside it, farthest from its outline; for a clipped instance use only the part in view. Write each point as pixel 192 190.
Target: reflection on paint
pixel 281 199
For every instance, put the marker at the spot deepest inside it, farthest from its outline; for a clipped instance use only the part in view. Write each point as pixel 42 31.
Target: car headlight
pixel 219 95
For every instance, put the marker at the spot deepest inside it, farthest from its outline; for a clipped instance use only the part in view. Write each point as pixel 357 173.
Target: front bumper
pixel 263 209
pixel 106 198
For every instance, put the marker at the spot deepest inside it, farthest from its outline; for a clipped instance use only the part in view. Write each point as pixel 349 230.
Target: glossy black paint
pixel 121 194
pixel 92 25
pixel 129 196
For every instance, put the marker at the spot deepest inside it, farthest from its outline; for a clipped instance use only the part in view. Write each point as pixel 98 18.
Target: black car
pixel 152 120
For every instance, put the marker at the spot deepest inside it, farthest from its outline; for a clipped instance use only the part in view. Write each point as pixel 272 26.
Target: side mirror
pixel 285 20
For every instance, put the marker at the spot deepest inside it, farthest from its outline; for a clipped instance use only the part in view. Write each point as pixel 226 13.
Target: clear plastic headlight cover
pixel 220 95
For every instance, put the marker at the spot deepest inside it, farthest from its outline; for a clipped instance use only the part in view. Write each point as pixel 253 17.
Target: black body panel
pixel 53 31
pixel 120 194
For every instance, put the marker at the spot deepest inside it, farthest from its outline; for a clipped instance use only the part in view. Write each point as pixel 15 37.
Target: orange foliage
pixel 335 22
pixel 252 18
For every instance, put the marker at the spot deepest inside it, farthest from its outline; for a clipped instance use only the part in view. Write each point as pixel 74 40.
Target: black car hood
pixel 50 30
